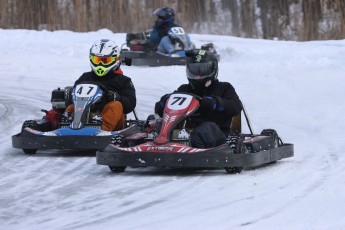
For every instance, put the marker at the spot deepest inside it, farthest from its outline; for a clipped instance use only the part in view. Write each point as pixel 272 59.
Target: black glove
pixel 112 96
pixel 207 105
pixel 159 106
pixel 172 39
pixel 163 100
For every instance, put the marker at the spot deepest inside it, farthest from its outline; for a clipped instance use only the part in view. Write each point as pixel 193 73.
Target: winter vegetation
pixel 299 20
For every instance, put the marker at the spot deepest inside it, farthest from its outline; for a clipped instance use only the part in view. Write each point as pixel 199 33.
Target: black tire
pixel 235 143
pixel 30 151
pixel 276 142
pixel 233 170
pixel 117 169
pixel 237 146
pixel 31 124
pixel 276 139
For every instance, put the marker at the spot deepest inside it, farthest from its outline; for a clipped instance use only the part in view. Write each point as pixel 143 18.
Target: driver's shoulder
pixel 184 88
pixel 122 78
pixel 86 76
pixel 223 84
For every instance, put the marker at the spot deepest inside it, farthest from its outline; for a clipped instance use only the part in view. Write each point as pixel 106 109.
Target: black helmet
pixel 165 15
pixel 201 68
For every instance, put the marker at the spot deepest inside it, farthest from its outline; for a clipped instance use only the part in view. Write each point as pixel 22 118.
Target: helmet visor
pixel 160 13
pixel 199 70
pixel 105 60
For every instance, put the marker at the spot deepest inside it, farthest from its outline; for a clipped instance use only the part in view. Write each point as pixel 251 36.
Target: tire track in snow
pixel 154 188
pixel 299 188
pixel 13 112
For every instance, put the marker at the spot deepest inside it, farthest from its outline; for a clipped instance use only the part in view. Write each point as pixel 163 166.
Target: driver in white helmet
pixel 120 98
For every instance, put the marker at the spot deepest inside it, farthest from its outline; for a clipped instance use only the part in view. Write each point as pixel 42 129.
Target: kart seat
pixel 236 124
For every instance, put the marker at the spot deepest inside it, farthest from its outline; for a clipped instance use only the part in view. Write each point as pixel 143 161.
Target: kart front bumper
pixel 221 156
pixel 60 142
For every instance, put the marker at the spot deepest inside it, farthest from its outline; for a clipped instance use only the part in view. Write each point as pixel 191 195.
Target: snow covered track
pixel 296 88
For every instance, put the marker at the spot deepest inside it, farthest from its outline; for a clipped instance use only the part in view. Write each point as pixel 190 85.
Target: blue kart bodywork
pixel 50 133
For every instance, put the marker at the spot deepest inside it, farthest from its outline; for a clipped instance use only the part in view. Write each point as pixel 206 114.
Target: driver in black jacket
pixel 219 103
pixel 120 98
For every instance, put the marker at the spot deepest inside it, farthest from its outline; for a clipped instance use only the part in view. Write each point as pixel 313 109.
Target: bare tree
pixel 311 16
pixel 248 18
pixel 284 19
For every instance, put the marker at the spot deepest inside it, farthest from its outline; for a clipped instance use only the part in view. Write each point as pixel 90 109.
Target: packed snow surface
pixel 296 88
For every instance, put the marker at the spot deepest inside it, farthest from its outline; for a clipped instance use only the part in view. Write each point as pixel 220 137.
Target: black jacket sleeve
pixel 228 103
pixel 128 96
pixel 122 85
pixel 159 106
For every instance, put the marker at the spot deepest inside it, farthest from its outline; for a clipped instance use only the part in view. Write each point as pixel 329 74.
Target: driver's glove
pixel 172 39
pixel 112 96
pixel 207 105
pixel 159 106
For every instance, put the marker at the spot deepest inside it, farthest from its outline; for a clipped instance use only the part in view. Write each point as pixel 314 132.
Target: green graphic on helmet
pixel 100 71
pixel 201 68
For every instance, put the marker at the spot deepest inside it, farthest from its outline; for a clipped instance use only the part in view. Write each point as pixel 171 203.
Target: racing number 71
pixel 178 100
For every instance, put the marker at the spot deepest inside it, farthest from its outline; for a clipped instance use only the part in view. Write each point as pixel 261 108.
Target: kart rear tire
pixel 117 169
pixel 233 170
pixel 30 124
pixel 276 142
pixel 30 151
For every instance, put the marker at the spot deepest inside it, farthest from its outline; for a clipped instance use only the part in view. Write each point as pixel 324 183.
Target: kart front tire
pixel 117 169
pixel 30 151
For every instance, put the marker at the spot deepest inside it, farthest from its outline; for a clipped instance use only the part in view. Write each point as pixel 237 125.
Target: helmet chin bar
pixel 101 70
pixel 200 84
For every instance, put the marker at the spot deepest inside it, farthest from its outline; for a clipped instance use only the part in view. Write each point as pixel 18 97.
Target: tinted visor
pixel 159 19
pixel 160 13
pixel 199 70
pixel 105 60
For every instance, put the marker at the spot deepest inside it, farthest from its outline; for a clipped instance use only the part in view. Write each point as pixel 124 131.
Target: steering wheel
pixel 199 98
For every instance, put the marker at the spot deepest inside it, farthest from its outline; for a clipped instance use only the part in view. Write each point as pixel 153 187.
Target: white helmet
pixel 104 56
